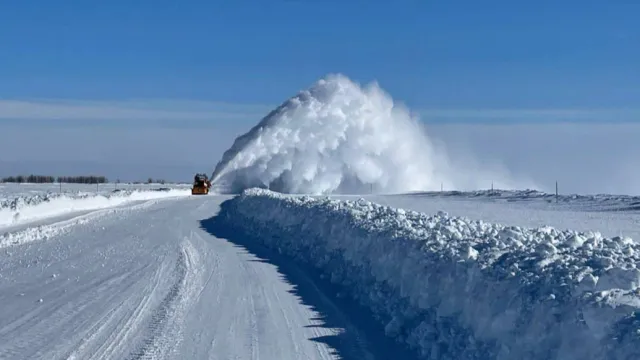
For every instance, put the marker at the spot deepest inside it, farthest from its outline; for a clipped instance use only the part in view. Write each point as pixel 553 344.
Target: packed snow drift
pixel 24 208
pixel 339 137
pixel 11 190
pixel 460 289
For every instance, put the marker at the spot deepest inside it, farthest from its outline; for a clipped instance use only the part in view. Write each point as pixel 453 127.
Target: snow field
pixel 22 209
pixel 611 216
pixel 460 289
pixel 539 199
pixel 11 190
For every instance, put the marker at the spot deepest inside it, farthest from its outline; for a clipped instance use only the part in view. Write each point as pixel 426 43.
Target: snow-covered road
pixel 153 282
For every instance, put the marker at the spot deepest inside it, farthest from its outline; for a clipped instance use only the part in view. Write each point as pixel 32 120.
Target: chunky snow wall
pixel 459 289
pixel 339 137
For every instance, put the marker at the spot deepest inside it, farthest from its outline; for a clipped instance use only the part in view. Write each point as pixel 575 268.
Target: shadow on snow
pixel 358 328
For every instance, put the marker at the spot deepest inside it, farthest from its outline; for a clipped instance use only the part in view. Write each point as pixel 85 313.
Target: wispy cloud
pixel 171 110
pixel 530 115
pixel 127 110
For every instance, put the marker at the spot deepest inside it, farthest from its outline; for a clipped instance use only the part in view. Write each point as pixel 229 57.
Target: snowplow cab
pixel 201 185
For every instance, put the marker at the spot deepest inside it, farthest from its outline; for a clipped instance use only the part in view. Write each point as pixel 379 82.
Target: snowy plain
pixel 13 190
pixel 323 280
pixel 611 215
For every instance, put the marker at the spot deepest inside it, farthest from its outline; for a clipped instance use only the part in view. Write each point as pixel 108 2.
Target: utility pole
pixel 556 191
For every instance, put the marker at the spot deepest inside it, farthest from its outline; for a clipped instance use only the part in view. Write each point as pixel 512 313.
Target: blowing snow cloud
pixel 338 137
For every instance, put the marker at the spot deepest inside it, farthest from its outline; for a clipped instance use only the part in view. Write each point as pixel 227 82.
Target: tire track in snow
pixel 253 318
pixel 60 313
pixel 125 325
pixel 66 315
pixel 166 320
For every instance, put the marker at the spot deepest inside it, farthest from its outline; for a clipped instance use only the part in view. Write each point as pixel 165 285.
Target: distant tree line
pixel 152 181
pixel 44 179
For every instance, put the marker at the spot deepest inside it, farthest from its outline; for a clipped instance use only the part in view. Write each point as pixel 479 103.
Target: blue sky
pixel 87 68
pixel 427 53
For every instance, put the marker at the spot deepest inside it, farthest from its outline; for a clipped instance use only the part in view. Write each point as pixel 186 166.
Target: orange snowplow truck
pixel 201 185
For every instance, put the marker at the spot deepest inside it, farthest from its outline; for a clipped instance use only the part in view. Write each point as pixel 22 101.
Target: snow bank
pixel 22 209
pixel 48 231
pixel 459 289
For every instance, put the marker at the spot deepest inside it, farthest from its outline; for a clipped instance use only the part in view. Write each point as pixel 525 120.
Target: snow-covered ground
pixel 458 288
pixel 289 277
pixel 22 204
pixel 158 280
pixel 611 215
pixel 12 190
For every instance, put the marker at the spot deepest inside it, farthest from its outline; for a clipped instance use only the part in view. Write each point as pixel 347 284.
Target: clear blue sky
pixel 76 73
pixel 427 53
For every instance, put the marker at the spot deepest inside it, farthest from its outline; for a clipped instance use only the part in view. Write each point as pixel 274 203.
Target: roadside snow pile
pixel 460 289
pixel 21 209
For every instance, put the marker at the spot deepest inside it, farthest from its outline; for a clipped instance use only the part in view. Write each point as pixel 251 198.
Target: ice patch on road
pixel 455 288
pixel 23 209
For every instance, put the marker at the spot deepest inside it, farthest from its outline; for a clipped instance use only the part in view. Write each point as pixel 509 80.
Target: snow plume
pixel 453 288
pixel 339 137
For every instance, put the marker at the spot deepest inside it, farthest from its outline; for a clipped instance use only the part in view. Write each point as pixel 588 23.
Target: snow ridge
pixel 460 289
pixel 20 209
